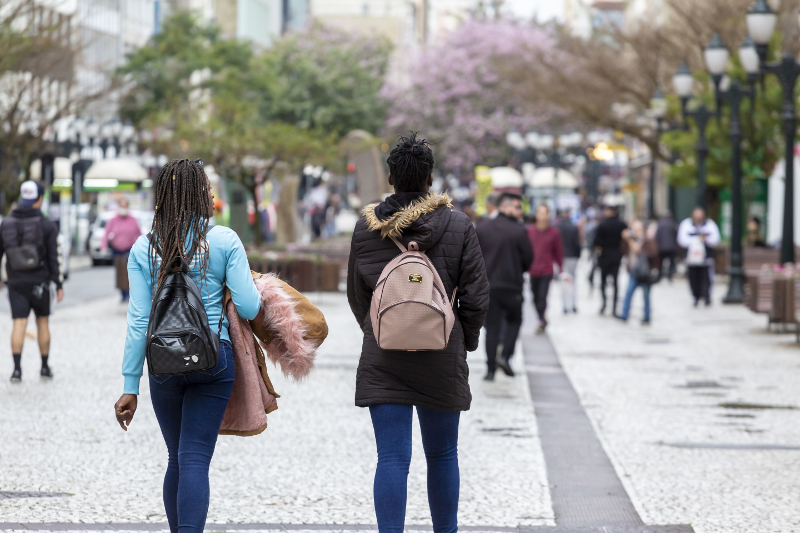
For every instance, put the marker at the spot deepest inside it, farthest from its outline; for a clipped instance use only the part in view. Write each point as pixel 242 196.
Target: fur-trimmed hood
pixel 424 218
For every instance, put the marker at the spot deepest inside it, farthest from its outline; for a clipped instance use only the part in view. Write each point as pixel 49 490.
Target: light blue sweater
pixel 227 264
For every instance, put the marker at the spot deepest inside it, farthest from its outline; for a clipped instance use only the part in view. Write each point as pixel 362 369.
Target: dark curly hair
pixel 180 224
pixel 410 163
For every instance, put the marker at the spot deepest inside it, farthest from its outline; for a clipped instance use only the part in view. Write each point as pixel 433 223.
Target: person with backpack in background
pixel 699 235
pixel 120 235
pixel 643 268
pixel 571 244
pixel 547 252
pixel 411 257
pixel 33 262
pixel 507 254
pixel 180 264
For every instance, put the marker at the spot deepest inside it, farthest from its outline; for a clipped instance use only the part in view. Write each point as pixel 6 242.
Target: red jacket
pixel 547 250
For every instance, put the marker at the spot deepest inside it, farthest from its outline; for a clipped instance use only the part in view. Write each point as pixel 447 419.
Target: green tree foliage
pixel 762 142
pixel 252 114
pixel 325 79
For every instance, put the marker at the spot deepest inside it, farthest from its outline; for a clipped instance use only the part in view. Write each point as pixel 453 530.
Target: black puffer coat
pixel 435 379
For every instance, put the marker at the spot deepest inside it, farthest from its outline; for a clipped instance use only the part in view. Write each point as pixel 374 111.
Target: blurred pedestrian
pixel 608 245
pixel 189 407
pixel 571 244
pixel 492 205
pixel 547 252
pixel 643 268
pixel 507 254
pixel 590 232
pixel 667 240
pixel 754 238
pixel 699 235
pixel 120 235
pixel 436 382
pixel 33 262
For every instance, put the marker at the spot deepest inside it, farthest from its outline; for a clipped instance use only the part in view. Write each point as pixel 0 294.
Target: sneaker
pixel 16 377
pixel 46 372
pixel 575 310
pixel 645 322
pixel 489 376
pixel 540 328
pixel 566 311
pixel 505 367
pixel 621 318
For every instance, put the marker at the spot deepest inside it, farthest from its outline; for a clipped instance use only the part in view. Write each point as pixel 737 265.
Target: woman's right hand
pixel 125 408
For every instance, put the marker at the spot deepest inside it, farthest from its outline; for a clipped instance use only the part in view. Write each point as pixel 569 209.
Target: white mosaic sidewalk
pixel 314 464
pixel 645 388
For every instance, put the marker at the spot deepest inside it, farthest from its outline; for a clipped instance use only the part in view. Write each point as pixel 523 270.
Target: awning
pixel 121 169
pixel 61 165
pixel 505 177
pixel 545 177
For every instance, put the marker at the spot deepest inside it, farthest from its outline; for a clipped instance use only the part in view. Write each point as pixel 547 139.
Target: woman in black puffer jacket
pixel 391 382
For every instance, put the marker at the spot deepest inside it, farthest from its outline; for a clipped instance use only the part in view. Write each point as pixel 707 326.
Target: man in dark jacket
pixel 507 254
pixel 608 243
pixel 667 240
pixel 30 242
pixel 571 245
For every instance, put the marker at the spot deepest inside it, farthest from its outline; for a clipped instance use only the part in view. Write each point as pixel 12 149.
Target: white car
pixel 103 257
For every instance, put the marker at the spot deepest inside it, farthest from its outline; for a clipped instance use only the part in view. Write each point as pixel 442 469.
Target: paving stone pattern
pixel 697 414
pixel 314 464
pixel 655 396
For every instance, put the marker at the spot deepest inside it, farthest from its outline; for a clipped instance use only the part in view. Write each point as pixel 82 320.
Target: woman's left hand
pixel 125 408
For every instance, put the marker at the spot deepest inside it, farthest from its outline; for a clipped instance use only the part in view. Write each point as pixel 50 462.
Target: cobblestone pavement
pixel 314 464
pixel 698 412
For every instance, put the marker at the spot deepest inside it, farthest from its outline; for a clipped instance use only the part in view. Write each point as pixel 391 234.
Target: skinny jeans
pixel 189 409
pixel 626 305
pixel 392 425
pixel 540 286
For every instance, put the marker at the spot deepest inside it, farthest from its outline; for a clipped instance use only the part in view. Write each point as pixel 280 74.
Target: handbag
pixel 696 253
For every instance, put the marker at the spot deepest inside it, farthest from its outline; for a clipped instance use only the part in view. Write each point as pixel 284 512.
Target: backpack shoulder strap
pixel 413 246
pixel 399 244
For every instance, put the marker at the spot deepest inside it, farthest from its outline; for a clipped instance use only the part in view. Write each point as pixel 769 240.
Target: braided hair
pixel 180 223
pixel 410 163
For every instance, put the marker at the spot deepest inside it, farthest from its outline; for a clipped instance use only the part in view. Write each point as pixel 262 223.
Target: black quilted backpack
pixel 24 241
pixel 179 339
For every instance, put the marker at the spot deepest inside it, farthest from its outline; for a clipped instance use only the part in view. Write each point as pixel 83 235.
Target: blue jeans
pixel 189 409
pixel 392 424
pixel 626 306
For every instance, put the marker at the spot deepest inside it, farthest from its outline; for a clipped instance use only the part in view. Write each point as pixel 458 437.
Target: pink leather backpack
pixel 410 310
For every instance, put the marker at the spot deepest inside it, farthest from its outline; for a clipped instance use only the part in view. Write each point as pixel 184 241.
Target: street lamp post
pixel 733 94
pixel 761 20
pixel 658 108
pixel 683 83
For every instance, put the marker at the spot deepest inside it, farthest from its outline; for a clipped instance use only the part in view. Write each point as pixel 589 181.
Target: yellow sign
pixel 483 178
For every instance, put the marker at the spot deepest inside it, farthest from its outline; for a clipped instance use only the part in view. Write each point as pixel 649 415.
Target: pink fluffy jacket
pixel 289 329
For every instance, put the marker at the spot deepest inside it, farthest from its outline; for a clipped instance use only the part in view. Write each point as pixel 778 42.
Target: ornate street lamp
pixel 761 20
pixel 683 82
pixel 730 92
pixel 658 110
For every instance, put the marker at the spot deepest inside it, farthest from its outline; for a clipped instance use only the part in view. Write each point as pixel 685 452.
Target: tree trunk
pixel 287 211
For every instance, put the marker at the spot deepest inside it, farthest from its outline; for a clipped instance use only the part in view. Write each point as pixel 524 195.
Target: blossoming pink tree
pixel 457 95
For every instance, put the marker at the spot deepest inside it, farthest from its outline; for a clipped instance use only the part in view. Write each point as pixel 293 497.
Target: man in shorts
pixel 33 261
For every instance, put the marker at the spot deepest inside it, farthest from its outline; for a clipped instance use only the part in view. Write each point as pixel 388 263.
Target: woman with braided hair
pixel 391 383
pixel 189 407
